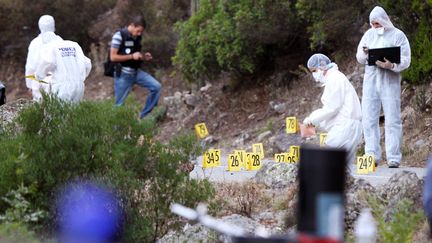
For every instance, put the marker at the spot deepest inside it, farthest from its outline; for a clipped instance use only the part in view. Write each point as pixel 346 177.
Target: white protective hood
pixel 46 23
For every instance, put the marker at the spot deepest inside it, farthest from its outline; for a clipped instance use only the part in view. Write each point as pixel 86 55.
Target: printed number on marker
pixel 290 159
pixel 235 161
pixel 363 163
pixel 280 158
pixel 202 128
pixel 210 158
pixel 256 160
pixel 369 160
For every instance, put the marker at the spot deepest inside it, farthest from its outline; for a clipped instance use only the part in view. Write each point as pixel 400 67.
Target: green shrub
pixel 61 142
pixel 20 210
pixel 325 28
pixel 234 36
pixel 11 164
pixel 16 233
pixel 331 27
pixel 398 227
pixel 415 19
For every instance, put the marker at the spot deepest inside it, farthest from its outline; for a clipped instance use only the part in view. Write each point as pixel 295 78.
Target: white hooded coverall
pixel 382 86
pixel 340 114
pixel 69 67
pixel 46 24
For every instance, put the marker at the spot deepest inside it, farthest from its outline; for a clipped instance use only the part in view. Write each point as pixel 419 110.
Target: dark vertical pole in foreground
pixel 321 193
pixel 2 94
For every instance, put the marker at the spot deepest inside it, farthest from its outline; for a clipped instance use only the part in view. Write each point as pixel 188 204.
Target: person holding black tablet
pixel 382 86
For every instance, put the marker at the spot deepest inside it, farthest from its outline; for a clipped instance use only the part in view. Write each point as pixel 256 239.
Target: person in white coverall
pixel 340 114
pixel 381 86
pixel 66 65
pixel 46 23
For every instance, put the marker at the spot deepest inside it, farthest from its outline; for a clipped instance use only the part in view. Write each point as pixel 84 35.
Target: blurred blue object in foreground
pixel 86 213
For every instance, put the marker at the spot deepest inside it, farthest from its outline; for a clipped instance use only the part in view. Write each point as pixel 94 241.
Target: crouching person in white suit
pixel 340 114
pixel 64 65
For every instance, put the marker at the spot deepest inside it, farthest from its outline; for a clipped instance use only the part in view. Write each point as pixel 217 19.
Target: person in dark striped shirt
pixel 126 50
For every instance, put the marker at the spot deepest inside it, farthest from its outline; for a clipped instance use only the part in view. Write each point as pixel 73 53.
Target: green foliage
pixel 20 210
pixel 401 225
pixel 415 19
pixel 333 25
pixel 16 233
pixel 421 101
pixel 325 28
pixel 233 36
pixel 61 142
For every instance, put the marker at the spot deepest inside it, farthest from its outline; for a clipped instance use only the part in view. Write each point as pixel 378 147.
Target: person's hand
pixel 386 64
pixel 307 122
pixel 365 50
pixel 148 56
pixel 307 131
pixel 137 56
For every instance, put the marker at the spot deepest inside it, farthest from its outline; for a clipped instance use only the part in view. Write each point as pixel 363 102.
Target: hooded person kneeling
pixel 340 114
pixel 64 66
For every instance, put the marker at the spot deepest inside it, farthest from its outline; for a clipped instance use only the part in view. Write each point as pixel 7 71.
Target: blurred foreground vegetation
pixel 55 143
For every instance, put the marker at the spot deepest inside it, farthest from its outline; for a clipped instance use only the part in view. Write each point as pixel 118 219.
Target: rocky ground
pixel 273 205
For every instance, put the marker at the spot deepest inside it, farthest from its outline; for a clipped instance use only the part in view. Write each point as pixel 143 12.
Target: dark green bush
pixel 333 25
pixel 401 224
pixel 415 19
pixel 16 233
pixel 61 142
pixel 235 36
pixel 20 210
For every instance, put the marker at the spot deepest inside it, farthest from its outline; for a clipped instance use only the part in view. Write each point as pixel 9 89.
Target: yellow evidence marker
pixel 370 158
pixel 291 124
pixel 234 163
pixel 201 130
pixel 254 161
pixel 362 165
pixel 211 158
pixel 258 148
pixel 323 137
pixel 295 152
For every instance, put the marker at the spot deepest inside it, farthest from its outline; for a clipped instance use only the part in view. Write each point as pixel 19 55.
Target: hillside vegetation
pixel 244 38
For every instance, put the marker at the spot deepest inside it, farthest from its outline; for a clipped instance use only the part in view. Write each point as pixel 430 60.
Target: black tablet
pixel 390 53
